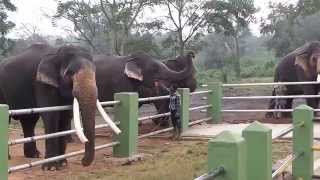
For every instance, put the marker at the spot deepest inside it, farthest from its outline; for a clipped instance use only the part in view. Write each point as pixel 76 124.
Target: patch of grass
pixel 183 161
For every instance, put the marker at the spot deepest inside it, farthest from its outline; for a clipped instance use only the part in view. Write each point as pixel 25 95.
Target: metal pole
pixel 302 167
pixel 4 119
pixel 127 113
pixel 259 151
pixel 256 110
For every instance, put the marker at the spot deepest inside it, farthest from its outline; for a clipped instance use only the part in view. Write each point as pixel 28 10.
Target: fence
pixel 249 156
pixel 125 115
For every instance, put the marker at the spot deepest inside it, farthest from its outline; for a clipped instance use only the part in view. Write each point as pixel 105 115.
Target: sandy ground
pixel 103 159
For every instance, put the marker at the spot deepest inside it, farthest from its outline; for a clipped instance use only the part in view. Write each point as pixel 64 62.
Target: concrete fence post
pixel 184 108
pixel 4 123
pixel 259 151
pixel 126 112
pixel 229 151
pixel 302 167
pixel 215 99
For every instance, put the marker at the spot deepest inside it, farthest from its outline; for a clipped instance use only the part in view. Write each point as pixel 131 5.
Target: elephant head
pixel 308 58
pixel 70 71
pixel 150 72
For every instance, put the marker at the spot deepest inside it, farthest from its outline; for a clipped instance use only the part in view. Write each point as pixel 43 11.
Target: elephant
pixel 132 73
pixel 43 76
pixel 189 81
pixel 303 64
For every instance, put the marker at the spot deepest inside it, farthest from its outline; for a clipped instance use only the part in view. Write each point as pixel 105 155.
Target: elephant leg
pixel 288 106
pixel 69 137
pixel 28 124
pixel 272 104
pixel 64 125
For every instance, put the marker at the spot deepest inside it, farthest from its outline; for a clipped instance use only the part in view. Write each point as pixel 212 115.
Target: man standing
pixel 174 107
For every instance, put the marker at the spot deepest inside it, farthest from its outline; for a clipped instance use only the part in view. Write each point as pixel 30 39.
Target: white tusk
pixel 77 123
pixel 105 116
pixel 318 78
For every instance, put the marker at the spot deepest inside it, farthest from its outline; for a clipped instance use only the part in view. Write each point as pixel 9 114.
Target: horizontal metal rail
pixel 212 174
pixel 270 97
pixel 154 116
pixel 289 159
pixel 48 136
pixel 256 110
pixel 56 158
pixel 153 98
pixel 51 109
pixel 200 121
pixel 283 132
pixel 200 92
pixel 171 128
pixel 268 84
pixel 199 107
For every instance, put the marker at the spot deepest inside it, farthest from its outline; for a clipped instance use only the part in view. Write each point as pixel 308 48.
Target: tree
pixel 5 26
pixel 112 19
pixel 290 25
pixel 232 17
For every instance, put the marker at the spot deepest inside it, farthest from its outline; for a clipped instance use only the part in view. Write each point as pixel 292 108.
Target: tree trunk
pixel 181 43
pixel 237 68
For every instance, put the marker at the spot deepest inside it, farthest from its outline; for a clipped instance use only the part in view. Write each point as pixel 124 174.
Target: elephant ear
pixel 47 71
pixel 132 70
pixel 301 55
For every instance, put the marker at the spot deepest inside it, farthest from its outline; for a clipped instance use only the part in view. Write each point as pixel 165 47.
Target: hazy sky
pixel 31 13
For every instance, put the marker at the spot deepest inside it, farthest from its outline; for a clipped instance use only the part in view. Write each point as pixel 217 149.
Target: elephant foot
pixel 55 166
pixel 32 153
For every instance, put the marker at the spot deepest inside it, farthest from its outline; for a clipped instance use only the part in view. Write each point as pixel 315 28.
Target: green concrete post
pixel 302 167
pixel 259 151
pixel 215 99
pixel 184 108
pixel 127 114
pixel 229 151
pixel 4 120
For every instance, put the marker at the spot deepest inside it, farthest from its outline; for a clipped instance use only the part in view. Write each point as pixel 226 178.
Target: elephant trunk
pixel 167 74
pixel 85 91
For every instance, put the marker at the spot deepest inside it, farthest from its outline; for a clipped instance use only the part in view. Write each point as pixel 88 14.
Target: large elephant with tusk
pixel 43 76
pixel 132 73
pixel 303 64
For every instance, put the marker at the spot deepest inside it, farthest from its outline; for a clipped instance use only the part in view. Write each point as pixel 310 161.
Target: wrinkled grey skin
pixel 130 73
pixel 43 76
pixel 303 64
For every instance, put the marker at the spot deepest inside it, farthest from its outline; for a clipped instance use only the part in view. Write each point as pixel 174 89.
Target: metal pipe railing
pixel 56 158
pixel 153 98
pixel 256 110
pixel 200 92
pixel 289 159
pixel 199 107
pixel 268 84
pixel 154 116
pixel 48 136
pixel 51 109
pixel 270 97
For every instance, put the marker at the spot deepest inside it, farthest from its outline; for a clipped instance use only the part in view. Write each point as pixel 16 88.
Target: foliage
pixel 291 25
pixel 5 26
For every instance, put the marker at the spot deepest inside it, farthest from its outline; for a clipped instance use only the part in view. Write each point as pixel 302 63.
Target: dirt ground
pixel 103 160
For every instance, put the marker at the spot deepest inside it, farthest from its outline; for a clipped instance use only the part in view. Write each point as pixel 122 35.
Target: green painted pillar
pixel 184 109
pixel 215 99
pixel 4 120
pixel 302 167
pixel 259 151
pixel 229 151
pixel 127 114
